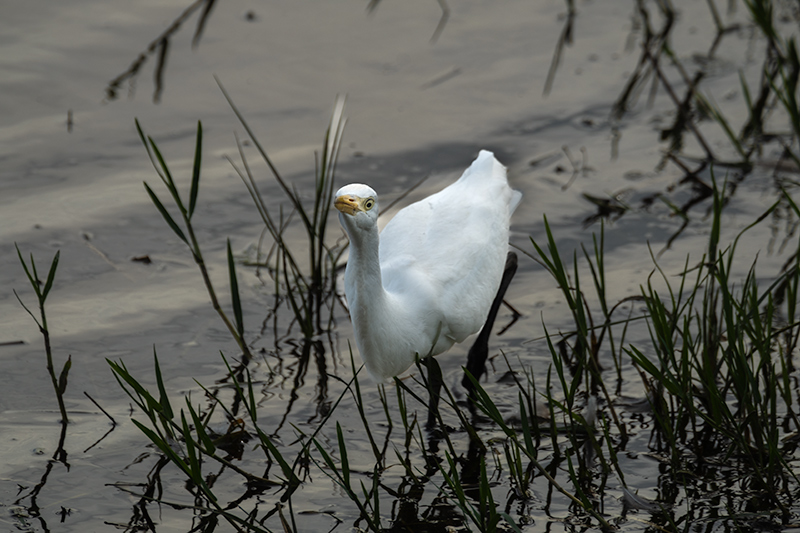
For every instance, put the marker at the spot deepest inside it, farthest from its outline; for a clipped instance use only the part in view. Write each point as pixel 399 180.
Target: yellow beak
pixel 348 204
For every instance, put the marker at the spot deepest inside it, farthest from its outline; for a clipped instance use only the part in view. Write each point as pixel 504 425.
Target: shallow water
pixel 414 108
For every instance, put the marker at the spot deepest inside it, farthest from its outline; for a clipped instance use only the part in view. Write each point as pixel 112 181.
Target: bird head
pixel 359 203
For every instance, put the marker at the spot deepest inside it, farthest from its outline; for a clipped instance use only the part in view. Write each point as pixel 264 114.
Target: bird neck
pixel 363 272
pixel 381 319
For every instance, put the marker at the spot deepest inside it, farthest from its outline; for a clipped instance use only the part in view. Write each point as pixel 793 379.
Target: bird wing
pixel 448 251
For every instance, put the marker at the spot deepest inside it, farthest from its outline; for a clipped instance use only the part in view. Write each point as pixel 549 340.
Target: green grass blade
pixel 51 275
pixel 34 280
pixel 200 428
pixel 235 300
pixel 143 137
pixel 164 446
pixel 343 456
pixel 164 213
pixel 196 169
pixel 286 189
pixel 162 391
pixel 141 397
pixel 195 470
pixel 26 309
pixel 62 377
pixel 526 430
pixel 167 175
pixel 644 362
pixel 292 481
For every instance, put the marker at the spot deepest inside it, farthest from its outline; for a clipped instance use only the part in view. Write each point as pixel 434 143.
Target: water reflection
pixel 32 509
pixel 160 48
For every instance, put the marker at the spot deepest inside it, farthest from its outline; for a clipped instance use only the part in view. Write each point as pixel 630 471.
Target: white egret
pixel 429 280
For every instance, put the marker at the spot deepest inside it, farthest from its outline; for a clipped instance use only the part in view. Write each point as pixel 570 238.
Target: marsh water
pixel 541 85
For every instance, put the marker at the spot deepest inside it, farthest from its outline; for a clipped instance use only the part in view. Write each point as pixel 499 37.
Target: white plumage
pixel 429 279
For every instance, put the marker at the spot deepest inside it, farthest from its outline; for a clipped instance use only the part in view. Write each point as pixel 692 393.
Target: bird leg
pixel 434 383
pixel 476 359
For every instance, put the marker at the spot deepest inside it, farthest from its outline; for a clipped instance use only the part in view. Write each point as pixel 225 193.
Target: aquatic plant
pixel 187 234
pixel 42 290
pixel 308 293
pixel 719 382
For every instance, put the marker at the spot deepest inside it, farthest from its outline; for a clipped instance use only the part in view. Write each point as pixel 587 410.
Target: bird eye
pixel 369 203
